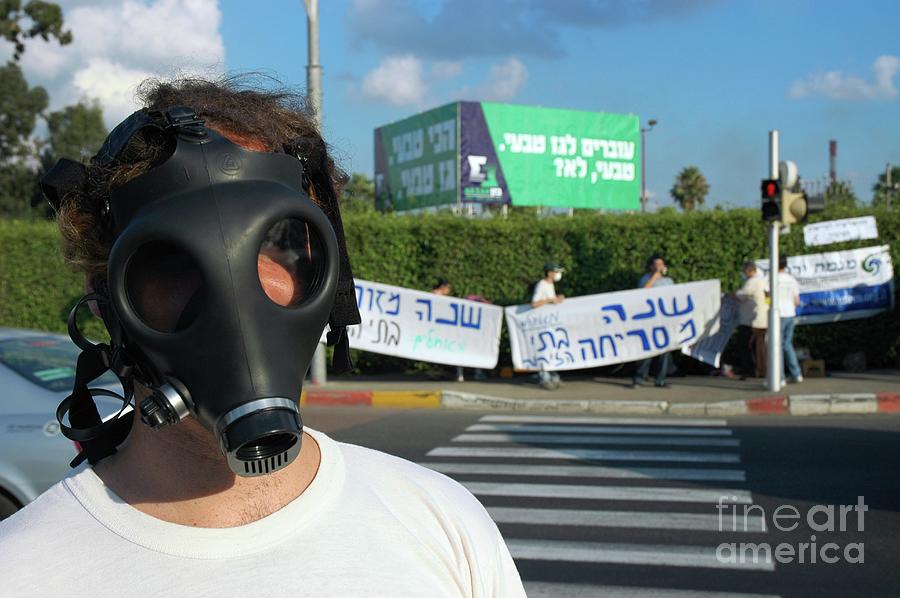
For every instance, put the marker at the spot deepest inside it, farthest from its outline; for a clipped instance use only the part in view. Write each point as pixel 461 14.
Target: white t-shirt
pixel 369 524
pixel 543 290
pixel 752 309
pixel 788 295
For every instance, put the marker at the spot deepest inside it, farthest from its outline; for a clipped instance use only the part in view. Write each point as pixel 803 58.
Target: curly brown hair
pixel 239 107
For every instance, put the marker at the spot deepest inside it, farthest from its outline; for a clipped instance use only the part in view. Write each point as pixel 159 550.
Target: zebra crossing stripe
pixel 631 554
pixel 590 471
pixel 516 437
pixel 644 493
pixel 540 589
pixel 587 419
pixel 583 454
pixel 624 519
pixel 591 429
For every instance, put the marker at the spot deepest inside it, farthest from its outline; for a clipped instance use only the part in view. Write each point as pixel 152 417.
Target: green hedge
pixel 500 259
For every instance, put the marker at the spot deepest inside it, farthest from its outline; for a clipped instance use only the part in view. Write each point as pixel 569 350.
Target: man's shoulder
pixel 46 526
pixel 386 472
pixel 425 495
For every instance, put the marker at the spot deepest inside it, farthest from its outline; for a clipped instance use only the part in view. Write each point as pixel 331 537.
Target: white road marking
pixel 540 589
pixel 630 554
pixel 588 419
pixel 591 471
pixel 626 519
pixel 646 493
pixel 582 454
pixel 589 429
pixel 520 438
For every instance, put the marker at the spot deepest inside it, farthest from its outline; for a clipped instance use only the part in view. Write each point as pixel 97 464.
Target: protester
pixel 788 300
pixel 752 322
pixel 655 276
pixel 544 293
pixel 208 228
pixel 443 287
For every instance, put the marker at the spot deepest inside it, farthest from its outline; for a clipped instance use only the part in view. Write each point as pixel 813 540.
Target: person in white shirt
pixel 752 322
pixel 655 276
pixel 544 293
pixel 165 509
pixel 788 301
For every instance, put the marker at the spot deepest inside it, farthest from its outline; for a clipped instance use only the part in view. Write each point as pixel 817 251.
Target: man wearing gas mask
pixel 209 232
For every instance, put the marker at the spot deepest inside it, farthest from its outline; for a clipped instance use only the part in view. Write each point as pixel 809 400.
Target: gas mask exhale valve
pixel 221 278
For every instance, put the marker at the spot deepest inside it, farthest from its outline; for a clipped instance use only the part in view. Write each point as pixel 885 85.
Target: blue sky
pixel 717 75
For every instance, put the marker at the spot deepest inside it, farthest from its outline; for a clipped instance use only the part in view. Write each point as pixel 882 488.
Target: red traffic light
pixel 770 188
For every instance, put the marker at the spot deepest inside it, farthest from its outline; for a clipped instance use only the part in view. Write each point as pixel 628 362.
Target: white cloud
pixel 503 82
pixel 836 85
pixel 397 80
pixel 118 43
pixel 446 69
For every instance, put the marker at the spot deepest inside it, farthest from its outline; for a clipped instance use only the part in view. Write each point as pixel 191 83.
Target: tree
pixel 839 195
pixel 690 188
pixel 358 194
pixel 884 195
pixel 75 132
pixel 20 107
pixel 45 20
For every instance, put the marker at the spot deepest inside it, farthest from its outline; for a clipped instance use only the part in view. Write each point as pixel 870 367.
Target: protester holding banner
pixel 788 300
pixel 655 276
pixel 545 294
pixel 443 287
pixel 752 322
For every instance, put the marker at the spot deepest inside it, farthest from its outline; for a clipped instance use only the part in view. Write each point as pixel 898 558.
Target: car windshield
pixel 46 361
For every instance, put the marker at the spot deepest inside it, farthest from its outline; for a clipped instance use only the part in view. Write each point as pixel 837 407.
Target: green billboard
pixel 483 152
pixel 416 161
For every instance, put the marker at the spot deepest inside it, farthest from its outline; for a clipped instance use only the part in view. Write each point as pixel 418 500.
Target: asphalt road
pixel 667 507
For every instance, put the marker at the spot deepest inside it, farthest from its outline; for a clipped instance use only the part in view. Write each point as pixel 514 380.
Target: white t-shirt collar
pixel 213 543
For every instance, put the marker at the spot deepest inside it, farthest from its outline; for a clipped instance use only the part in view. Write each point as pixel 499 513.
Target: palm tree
pixel 690 188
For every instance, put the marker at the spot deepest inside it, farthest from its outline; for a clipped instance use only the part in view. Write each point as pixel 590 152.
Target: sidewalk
pixel 876 391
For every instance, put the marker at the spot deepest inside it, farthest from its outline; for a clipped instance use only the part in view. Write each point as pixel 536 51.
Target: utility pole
pixel 888 187
pixel 313 68
pixel 319 369
pixel 644 130
pixel 773 352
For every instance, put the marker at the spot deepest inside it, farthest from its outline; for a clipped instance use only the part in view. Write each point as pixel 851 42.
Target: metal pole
pixel 888 187
pixel 773 348
pixel 318 368
pixel 313 68
pixel 643 170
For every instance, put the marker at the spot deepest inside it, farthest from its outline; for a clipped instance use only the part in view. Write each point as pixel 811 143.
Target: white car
pixel 37 371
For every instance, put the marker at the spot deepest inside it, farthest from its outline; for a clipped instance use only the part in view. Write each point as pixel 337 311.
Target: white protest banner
pixel 596 330
pixel 426 327
pixel 841 285
pixel 709 349
pixel 837 231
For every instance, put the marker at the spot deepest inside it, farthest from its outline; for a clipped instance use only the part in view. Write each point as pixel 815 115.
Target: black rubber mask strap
pixel 97 439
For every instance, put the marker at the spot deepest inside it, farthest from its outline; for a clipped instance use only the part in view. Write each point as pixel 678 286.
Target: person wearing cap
pixel 655 276
pixel 544 294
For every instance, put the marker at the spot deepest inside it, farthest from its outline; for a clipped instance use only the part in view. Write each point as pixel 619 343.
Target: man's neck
pixel 178 474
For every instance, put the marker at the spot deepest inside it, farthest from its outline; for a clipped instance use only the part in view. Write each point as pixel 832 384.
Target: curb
pixel 799 405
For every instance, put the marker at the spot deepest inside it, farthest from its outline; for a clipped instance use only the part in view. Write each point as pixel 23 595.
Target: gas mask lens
pixel 291 262
pixel 165 286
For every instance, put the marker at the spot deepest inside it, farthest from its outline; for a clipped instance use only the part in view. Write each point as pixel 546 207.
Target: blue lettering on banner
pixel 374 301
pixel 844 300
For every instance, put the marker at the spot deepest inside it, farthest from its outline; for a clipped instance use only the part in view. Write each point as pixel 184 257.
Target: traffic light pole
pixel 773 351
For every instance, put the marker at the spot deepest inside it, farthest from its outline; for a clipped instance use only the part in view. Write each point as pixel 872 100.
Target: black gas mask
pixel 221 279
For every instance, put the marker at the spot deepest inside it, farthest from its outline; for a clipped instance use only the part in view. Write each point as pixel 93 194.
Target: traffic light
pixel 793 207
pixel 771 195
